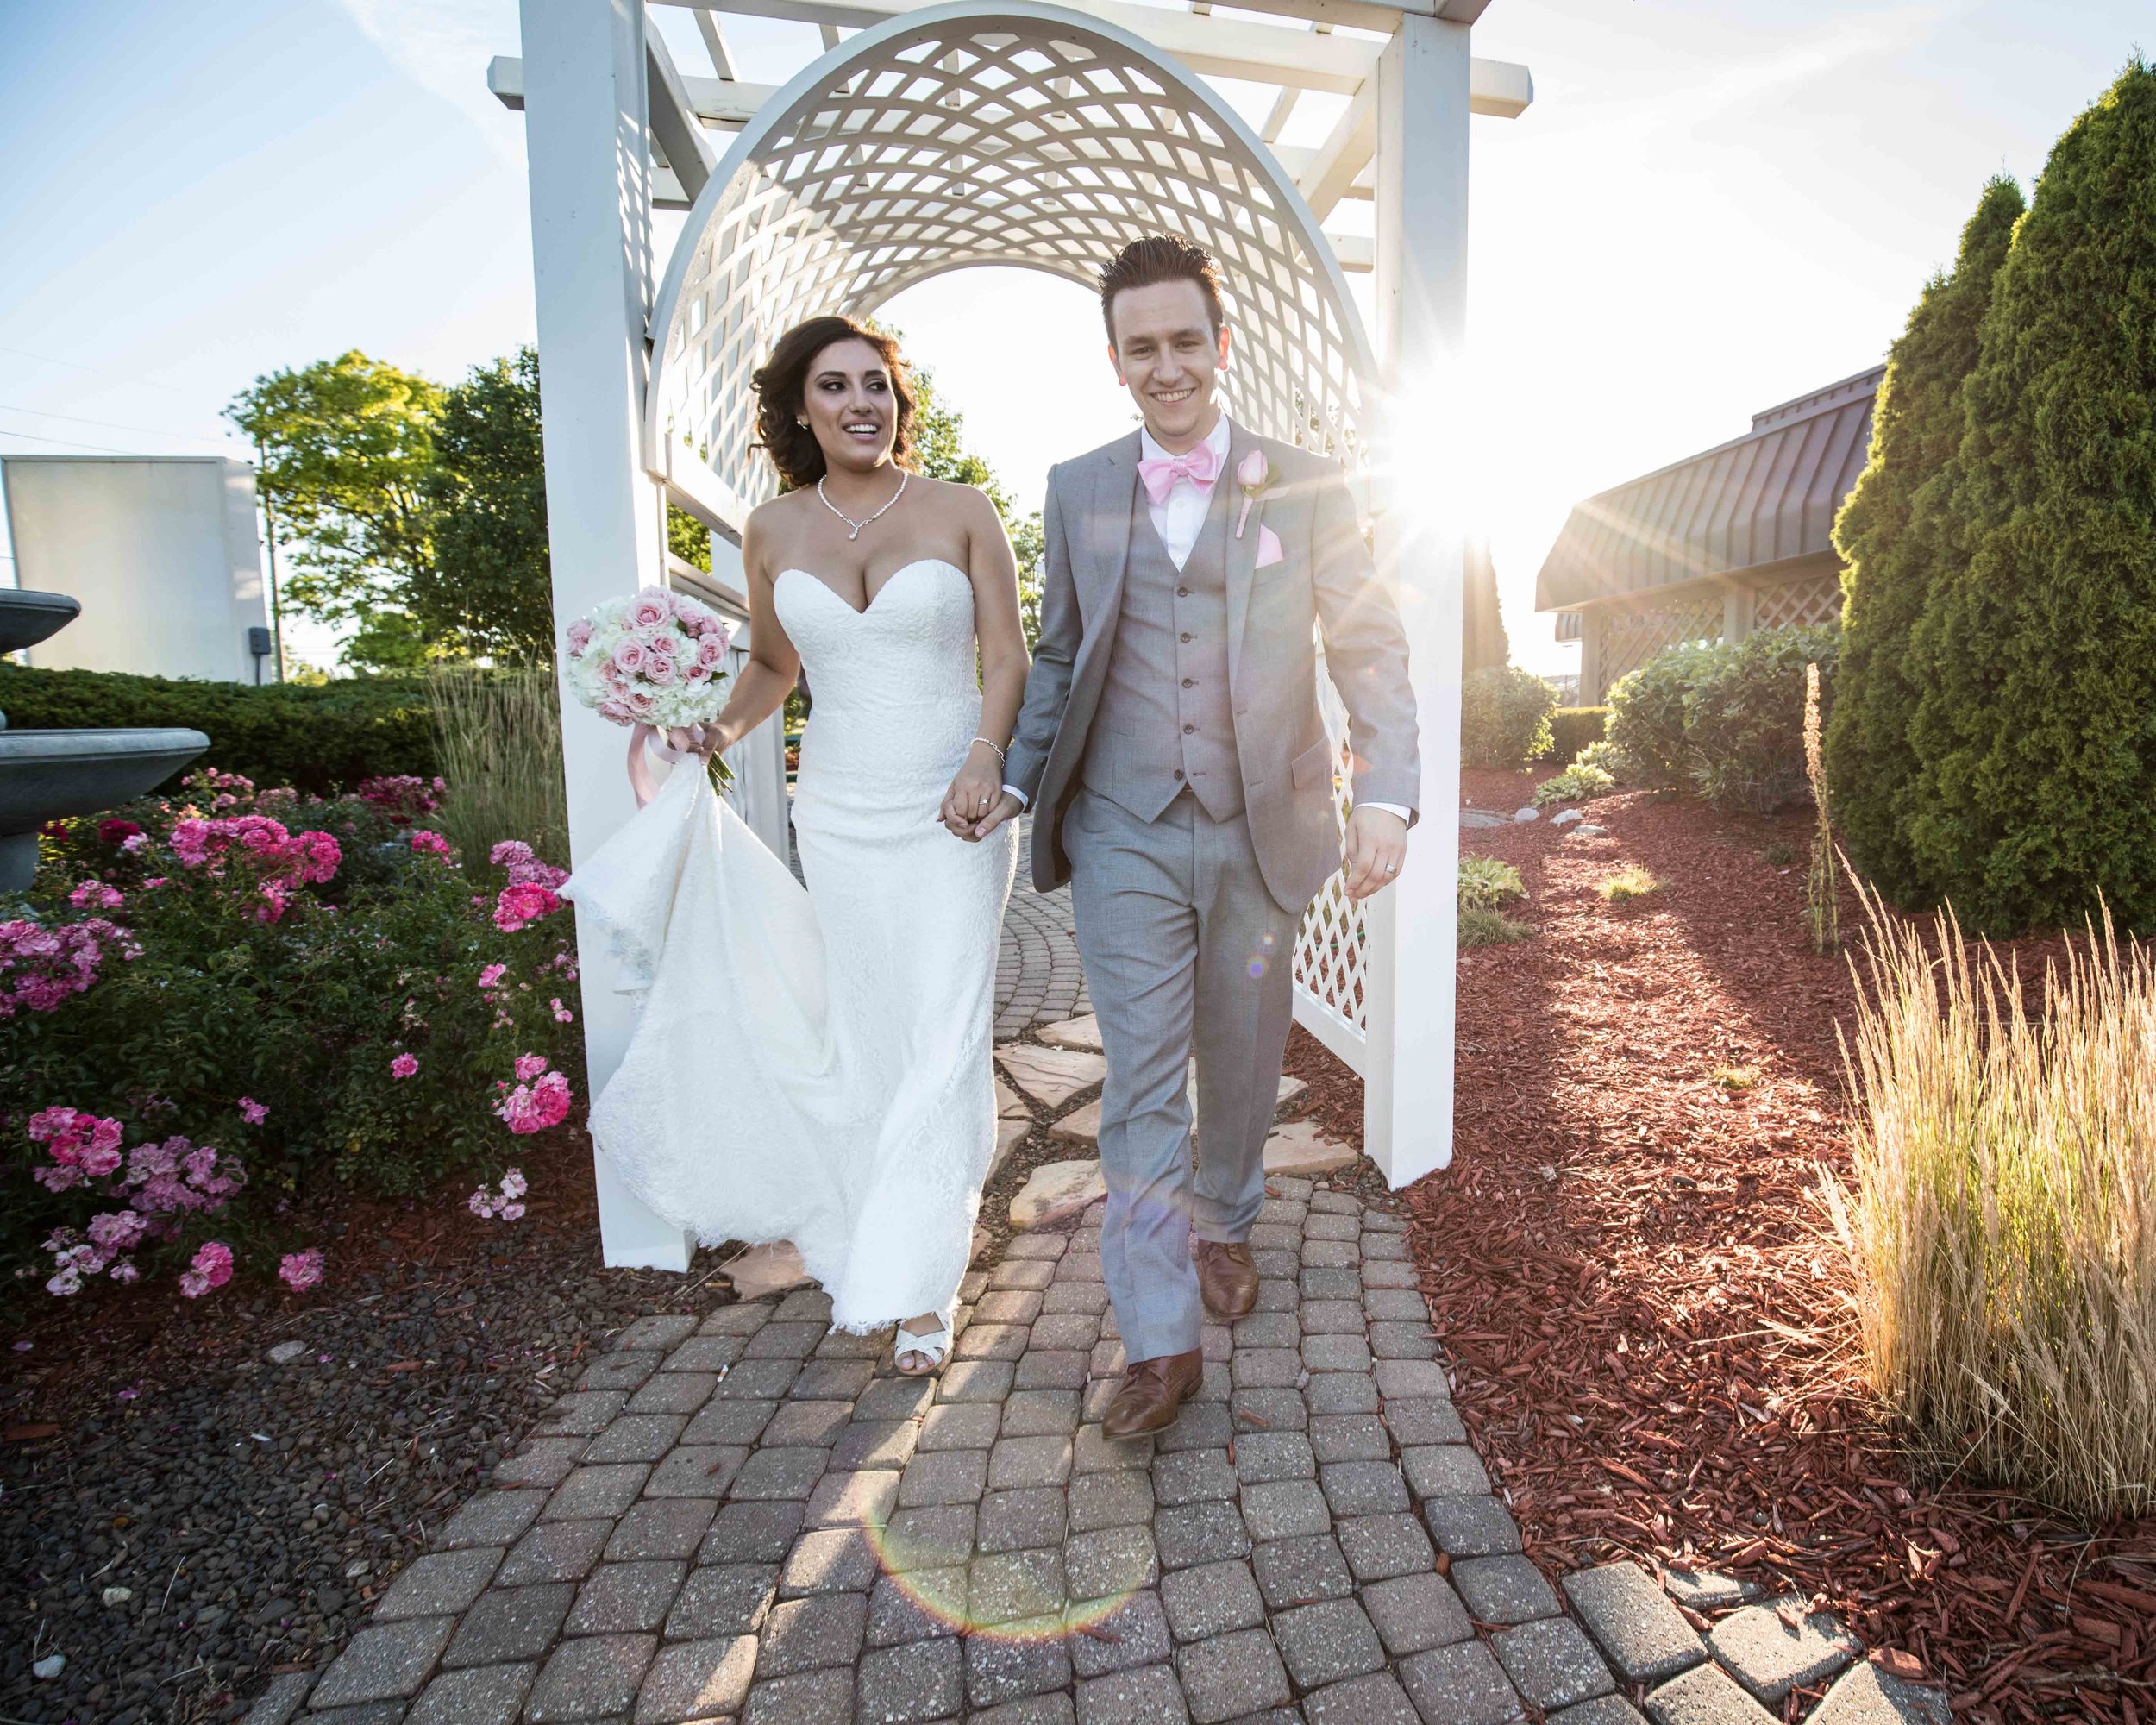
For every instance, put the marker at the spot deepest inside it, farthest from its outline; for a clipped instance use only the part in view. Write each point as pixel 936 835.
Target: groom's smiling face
pixel 1168 355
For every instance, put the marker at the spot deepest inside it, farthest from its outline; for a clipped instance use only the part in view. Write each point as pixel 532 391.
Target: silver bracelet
pixel 993 750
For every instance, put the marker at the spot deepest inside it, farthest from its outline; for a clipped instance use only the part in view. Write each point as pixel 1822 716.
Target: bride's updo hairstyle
pixel 782 387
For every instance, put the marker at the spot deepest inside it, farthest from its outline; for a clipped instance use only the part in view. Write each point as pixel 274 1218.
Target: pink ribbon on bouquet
pixel 640 779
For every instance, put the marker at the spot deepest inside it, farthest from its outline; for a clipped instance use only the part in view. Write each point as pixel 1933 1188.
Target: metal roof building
pixel 1735 538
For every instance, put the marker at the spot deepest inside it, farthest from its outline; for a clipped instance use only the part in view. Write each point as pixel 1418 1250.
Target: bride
pixel 815 1066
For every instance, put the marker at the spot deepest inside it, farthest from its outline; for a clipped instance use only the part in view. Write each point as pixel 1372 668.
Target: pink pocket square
pixel 1268 551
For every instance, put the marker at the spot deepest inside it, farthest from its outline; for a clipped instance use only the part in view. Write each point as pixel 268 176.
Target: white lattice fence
pixel 1797 604
pixel 1631 636
pixel 1027 137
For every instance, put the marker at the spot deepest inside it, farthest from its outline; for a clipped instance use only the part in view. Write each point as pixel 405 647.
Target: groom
pixel 1171 743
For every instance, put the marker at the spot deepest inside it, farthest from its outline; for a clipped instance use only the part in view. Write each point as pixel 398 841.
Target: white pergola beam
pixel 714 35
pixel 1381 17
pixel 1357 253
pixel 1214 47
pixel 675 126
pixel 722 104
pixel 1344 155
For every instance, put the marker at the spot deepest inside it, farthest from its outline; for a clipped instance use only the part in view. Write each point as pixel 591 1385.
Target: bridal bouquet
pixel 654 658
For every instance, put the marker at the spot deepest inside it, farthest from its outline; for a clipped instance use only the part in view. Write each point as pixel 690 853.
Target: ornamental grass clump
pixel 498 735
pixel 2003 1220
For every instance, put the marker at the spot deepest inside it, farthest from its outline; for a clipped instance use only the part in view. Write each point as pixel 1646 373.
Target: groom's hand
pixel 1006 807
pixel 1376 847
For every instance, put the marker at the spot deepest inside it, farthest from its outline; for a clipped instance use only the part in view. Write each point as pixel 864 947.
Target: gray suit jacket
pixel 1324 582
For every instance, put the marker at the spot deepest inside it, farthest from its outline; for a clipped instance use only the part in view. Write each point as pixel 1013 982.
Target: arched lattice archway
pixel 1019 134
pixel 1014 132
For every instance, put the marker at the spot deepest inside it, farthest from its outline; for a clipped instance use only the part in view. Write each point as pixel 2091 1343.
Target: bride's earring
pixel 803 424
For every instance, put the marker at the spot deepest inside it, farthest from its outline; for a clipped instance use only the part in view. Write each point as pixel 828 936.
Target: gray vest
pixel 1165 722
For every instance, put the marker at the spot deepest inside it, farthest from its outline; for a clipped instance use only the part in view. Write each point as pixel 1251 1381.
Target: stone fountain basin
pixel 45 775
pixel 28 617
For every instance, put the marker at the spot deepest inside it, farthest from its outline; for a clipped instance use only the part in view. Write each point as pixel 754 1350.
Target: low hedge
pixel 1572 728
pixel 317 737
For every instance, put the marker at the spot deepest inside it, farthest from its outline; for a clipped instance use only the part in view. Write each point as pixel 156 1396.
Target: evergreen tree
pixel 1484 644
pixel 1896 533
pixel 2037 655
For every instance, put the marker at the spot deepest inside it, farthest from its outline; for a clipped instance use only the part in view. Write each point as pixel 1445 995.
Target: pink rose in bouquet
pixel 653 657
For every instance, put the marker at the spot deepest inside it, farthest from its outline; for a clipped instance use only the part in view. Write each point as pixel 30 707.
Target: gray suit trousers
pixel 1182 943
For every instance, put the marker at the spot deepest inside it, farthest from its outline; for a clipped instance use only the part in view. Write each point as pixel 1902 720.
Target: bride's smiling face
pixel 851 408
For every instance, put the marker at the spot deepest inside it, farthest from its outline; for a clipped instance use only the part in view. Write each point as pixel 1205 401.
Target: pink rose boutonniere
pixel 1252 475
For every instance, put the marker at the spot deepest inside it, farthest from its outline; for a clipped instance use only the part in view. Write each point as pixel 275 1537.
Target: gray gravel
pixel 256 1510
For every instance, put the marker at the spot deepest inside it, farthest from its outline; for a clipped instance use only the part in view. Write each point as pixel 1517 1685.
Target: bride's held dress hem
pixel 813 1064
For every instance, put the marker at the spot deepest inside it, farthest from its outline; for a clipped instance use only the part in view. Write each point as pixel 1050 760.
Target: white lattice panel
pixel 1631 636
pixel 1332 945
pixel 1029 136
pixel 1797 604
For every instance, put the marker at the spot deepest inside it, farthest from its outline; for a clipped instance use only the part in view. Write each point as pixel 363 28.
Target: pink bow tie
pixel 1200 466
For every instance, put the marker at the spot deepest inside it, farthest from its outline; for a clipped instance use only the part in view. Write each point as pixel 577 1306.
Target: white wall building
pixel 164 552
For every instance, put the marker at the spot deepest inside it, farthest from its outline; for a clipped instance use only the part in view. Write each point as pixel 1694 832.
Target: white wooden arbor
pixel 1043 136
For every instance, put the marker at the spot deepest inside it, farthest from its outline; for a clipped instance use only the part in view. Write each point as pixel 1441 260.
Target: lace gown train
pixel 814 1066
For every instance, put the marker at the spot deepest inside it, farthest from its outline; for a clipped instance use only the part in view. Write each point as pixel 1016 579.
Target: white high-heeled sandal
pixel 933 1345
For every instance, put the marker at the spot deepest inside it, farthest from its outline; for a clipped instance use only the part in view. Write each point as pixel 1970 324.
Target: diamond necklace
pixel 857 525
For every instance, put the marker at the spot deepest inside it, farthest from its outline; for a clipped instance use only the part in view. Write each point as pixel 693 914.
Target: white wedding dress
pixel 814 1066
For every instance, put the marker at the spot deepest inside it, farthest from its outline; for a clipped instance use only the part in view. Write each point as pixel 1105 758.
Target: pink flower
pixel 561 1013
pixel 423 840
pixel 529 1066
pixel 509 854
pixel 212 1268
pixel 653 606
pixel 711 651
pixel 536 1106
pixel 523 904
pixel 659 671
pixel 251 1111
pixel 112 831
pixel 96 894
pixel 579 636
pixel 403 1066
pixel 491 974
pixel 117 1230
pixel 300 1271
pixel 630 657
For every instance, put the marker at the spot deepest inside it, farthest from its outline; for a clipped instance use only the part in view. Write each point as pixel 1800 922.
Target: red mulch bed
pixel 1647 1309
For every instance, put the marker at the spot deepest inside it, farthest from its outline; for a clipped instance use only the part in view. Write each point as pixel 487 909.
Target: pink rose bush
pixel 654 658
pixel 224 982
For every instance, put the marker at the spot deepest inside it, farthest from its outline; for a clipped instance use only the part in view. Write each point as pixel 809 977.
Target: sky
pixel 1713 206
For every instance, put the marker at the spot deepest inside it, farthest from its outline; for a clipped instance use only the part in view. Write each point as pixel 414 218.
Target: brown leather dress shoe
pixel 1153 1393
pixel 1227 1278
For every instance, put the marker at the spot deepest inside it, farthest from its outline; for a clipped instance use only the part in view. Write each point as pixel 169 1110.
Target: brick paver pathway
pixel 1038 978
pixel 750 1516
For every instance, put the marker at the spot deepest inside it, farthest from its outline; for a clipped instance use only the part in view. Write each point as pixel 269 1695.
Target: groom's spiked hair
pixel 1158 258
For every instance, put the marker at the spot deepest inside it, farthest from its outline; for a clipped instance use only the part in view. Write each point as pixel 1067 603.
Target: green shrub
pixel 284 993
pixel 2036 654
pixel 1726 721
pixel 1574 784
pixel 1646 713
pixel 1575 728
pixel 1486 883
pixel 1504 716
pixel 1898 533
pixel 1607 757
pixel 316 738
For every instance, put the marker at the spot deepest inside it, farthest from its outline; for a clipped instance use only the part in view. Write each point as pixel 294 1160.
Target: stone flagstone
pixel 1082 1126
pixel 1083 1034
pixel 1770 1655
pixel 1300 1148
pixel 1052 1077
pixel 770 1269
pixel 1010 1105
pixel 1055 1192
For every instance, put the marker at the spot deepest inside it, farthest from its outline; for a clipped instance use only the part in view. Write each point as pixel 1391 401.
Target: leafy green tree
pixel 346 447
pixel 1897 533
pixel 486 591
pixel 2037 655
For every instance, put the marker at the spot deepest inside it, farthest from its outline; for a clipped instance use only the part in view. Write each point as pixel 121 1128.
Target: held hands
pixel 969 808
pixel 1376 847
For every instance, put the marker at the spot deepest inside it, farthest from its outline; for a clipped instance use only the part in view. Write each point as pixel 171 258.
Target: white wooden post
pixel 591 243
pixel 1421 267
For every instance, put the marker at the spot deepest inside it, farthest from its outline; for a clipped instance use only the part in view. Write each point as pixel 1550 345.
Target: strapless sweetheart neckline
pixel 889 580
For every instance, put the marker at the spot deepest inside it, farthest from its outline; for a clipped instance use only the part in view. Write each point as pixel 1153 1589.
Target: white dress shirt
pixel 1180 517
